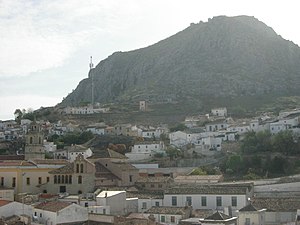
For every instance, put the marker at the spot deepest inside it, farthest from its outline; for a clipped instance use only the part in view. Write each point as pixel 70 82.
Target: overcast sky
pixel 46 44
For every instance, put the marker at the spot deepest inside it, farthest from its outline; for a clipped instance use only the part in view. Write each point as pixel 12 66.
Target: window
pixel 86 204
pixel 79 179
pixel 13 182
pixel 81 168
pixel 70 179
pixel 162 219
pixel 28 180
pixel 35 213
pixel 152 185
pixel 41 215
pixel 144 205
pixel 203 201
pixel 174 201
pixel 48 179
pixel 219 201
pixel 160 185
pixel 104 211
pixel 2 181
pixel 157 204
pixel 58 179
pixel 30 140
pixel 62 179
pixel 130 178
pixel 247 221
pixel 55 179
pixel 189 200
pixel 172 219
pixel 233 201
pixel 40 180
pixel 77 168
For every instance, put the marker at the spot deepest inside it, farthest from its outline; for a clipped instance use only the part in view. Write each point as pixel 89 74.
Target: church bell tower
pixel 34 148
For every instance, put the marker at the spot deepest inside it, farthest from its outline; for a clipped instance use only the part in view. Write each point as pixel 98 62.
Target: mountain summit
pixel 223 57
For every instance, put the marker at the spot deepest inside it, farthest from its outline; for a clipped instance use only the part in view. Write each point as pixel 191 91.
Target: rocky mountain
pixel 224 57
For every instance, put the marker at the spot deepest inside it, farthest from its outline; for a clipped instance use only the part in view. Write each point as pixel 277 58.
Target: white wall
pixel 15 208
pixel 210 200
pixel 149 203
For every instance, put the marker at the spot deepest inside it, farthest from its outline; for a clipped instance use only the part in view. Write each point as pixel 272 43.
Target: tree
pixel 18 115
pixel 284 142
pixel 173 152
pixel 178 127
pixel 234 163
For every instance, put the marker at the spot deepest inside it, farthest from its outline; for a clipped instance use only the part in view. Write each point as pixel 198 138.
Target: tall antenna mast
pixel 92 75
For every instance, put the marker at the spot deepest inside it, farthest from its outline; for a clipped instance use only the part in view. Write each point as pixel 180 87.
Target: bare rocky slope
pixel 226 57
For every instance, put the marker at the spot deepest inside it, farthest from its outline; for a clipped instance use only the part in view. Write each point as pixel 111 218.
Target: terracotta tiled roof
pixel 53 206
pixel 76 148
pixel 160 179
pixel 207 189
pixel 4 202
pixel 51 161
pixel 15 163
pixel 248 208
pixel 277 204
pixel 12 157
pixel 218 216
pixel 67 169
pixel 167 210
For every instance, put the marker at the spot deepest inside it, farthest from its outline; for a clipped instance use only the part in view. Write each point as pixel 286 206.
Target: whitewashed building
pixel 215 197
pixel 114 201
pixel 71 152
pixel 222 112
pixel 249 215
pixel 59 213
pixel 145 150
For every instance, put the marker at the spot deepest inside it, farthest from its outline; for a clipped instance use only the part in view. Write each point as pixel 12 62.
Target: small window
pixel 189 200
pixel 28 180
pixel 247 221
pixel 162 219
pixel 40 180
pixel 219 201
pixel 144 205
pixel 48 179
pixel 35 213
pixel 203 201
pixel 79 179
pixel 234 201
pixel 13 182
pixel 41 215
pixel 55 179
pixel 172 219
pixel 157 204
pixel 174 201
pixel 81 168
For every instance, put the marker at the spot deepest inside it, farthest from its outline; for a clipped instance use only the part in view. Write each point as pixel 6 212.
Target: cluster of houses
pixel 218 127
pixel 77 187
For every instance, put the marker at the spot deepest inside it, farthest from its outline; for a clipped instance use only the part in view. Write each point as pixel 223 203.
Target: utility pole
pixel 92 75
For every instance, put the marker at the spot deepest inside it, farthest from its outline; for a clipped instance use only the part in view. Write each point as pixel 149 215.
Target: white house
pixel 50 146
pixel 215 196
pixel 10 208
pixel 145 150
pixel 71 152
pixel 209 143
pixel 222 112
pixel 216 125
pixel 249 215
pixel 114 200
pixel 169 215
pixel 59 212
pixel 178 138
pixel 98 128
